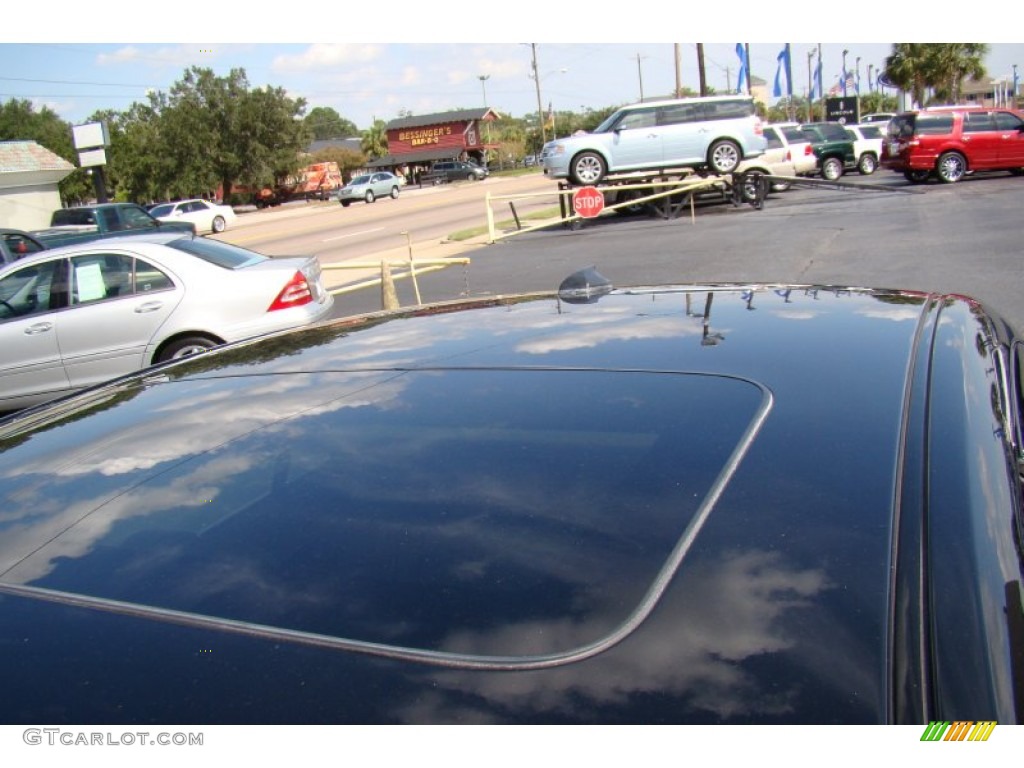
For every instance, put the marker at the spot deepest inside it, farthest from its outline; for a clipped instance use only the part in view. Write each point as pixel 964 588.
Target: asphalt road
pixel 960 238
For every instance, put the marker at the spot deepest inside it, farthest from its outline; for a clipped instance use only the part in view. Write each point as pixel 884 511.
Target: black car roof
pixel 523 485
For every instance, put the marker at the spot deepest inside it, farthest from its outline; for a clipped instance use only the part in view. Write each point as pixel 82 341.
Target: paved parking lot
pixel 961 238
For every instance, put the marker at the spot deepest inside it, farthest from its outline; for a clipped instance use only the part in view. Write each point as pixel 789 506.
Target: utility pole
pixel 640 75
pixel 701 71
pixel 791 111
pixel 746 66
pixel 540 106
pixel 679 70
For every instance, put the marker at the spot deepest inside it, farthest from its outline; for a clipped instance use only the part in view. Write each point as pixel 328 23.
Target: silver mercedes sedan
pixel 77 316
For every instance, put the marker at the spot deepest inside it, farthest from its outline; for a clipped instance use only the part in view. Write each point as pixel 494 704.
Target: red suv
pixel 952 141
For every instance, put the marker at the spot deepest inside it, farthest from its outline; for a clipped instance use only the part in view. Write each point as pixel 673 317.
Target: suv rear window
pixel 833 132
pixel 928 125
pixel 794 134
pixel 221 254
pixel 728 110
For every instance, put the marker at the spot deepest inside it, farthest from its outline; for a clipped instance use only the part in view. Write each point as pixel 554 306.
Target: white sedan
pixel 207 216
pixel 77 316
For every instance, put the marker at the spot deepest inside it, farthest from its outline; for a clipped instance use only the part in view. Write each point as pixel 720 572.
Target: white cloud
pixel 322 56
pixel 411 75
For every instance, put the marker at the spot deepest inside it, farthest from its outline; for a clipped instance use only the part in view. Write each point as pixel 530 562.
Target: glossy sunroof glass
pixel 462 517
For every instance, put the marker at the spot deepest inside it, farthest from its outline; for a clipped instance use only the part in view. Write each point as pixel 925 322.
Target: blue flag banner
pixel 816 82
pixel 743 67
pixel 782 70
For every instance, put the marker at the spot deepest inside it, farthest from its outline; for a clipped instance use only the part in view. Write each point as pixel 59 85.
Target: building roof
pixel 26 156
pixel 455 116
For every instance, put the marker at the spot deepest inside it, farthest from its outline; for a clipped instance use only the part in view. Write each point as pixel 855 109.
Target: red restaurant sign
pixel 449 135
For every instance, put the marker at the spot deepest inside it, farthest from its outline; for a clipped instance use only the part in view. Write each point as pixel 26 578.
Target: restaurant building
pixel 414 143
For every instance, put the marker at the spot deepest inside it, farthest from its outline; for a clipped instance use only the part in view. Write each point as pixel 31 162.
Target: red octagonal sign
pixel 588 202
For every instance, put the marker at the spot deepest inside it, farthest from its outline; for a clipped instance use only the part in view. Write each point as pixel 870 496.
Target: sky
pixel 422 59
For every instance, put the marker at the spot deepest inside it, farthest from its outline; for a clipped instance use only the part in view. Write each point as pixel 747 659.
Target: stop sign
pixel 588 202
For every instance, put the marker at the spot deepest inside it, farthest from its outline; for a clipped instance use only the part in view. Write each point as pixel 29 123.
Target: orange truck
pixel 314 182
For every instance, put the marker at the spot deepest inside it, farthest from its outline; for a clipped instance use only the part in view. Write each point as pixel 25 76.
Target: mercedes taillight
pixel 294 294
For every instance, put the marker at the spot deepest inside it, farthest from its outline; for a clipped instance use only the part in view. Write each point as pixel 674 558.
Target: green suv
pixel 832 146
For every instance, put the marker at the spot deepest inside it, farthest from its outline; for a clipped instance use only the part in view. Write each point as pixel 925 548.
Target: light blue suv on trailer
pixel 717 133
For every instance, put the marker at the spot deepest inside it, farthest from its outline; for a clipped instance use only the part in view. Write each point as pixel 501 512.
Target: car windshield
pixel 161 210
pixel 360 180
pixel 221 254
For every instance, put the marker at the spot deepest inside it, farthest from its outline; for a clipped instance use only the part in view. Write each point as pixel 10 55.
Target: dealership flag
pixel 782 69
pixel 816 82
pixel 743 67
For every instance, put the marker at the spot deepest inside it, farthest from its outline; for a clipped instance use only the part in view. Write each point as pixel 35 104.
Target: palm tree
pixel 375 140
pixel 907 67
pixel 916 67
pixel 952 63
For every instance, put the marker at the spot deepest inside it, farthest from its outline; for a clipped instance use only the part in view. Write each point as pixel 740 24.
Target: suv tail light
pixel 295 293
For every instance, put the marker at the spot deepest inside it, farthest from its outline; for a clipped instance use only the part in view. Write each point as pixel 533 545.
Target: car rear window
pixel 77 217
pixel 221 254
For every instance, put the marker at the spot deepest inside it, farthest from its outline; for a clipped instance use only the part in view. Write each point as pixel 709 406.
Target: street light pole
pixel 487 123
pixel 810 84
pixel 483 84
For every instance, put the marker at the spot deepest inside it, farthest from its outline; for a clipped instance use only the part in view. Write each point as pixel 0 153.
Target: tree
pixel 375 140
pixel 952 62
pixel 326 123
pixel 218 131
pixel 918 67
pixel 907 67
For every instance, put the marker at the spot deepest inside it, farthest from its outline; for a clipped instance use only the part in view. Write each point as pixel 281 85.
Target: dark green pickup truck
pixel 71 226
pixel 832 146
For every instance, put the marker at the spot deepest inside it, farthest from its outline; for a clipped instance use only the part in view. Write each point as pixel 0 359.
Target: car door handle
pixel 36 328
pixel 149 306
